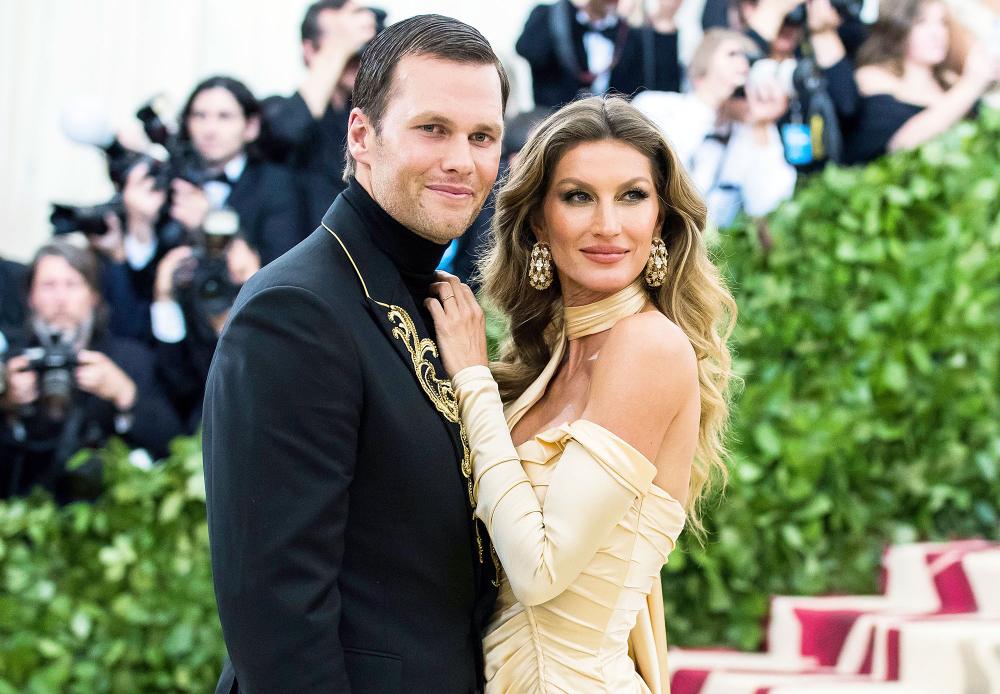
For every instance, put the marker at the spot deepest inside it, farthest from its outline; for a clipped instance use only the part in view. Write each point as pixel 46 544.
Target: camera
pixel 204 285
pixel 90 219
pixel 54 364
pixel 847 9
pixel 171 157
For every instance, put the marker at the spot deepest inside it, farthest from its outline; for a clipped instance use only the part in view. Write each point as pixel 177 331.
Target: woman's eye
pixel 576 196
pixel 636 194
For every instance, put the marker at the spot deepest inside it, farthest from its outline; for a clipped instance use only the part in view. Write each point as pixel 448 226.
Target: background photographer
pixel 735 164
pixel 909 93
pixel 220 121
pixel 192 298
pixel 579 47
pixel 70 385
pixel 308 130
pixel 808 47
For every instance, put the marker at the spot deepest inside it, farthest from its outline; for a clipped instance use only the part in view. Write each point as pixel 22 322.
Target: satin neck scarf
pixel 599 316
pixel 579 321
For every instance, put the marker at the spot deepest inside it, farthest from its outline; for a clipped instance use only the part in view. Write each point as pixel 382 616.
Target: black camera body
pixel 54 364
pixel 204 285
pixel 179 160
pixel 847 9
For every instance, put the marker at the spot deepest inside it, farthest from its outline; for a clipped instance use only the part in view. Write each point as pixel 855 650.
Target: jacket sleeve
pixel 154 421
pixel 280 225
pixel 543 550
pixel 288 125
pixel 282 412
pixel 535 42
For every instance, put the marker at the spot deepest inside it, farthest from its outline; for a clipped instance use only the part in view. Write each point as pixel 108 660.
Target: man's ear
pixel 252 130
pixel 309 50
pixel 360 136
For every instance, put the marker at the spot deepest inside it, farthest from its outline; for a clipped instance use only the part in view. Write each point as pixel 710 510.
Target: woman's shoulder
pixel 876 79
pixel 649 335
pixel 645 374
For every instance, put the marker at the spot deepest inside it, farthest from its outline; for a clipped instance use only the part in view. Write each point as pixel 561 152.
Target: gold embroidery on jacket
pixel 439 391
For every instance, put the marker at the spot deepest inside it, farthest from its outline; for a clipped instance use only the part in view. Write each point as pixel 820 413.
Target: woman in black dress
pixel 908 93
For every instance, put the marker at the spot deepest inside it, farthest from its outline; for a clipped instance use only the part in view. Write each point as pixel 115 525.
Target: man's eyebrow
pixel 435 117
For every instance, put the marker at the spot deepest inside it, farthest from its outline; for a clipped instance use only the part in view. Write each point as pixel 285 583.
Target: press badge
pixel 798 143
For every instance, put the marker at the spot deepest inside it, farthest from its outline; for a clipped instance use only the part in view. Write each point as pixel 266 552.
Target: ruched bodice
pixel 578 641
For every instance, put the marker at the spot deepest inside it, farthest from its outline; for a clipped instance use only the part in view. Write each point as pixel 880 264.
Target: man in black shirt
pixel 308 129
pixel 579 47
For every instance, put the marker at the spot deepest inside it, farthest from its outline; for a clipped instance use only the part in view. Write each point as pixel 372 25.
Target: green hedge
pixel 114 596
pixel 869 343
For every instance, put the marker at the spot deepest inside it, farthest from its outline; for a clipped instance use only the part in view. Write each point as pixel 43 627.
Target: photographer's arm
pixel 126 379
pixel 282 412
pixel 667 75
pixel 22 384
pixel 142 208
pixel 767 17
pixel 981 69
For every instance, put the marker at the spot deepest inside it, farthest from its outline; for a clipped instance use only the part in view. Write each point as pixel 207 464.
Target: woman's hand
pixel 459 323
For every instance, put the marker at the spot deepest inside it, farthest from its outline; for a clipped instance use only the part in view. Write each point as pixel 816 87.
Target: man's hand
pixel 163 289
pixel 768 16
pixel 822 17
pixel 100 376
pixel 142 202
pixel 22 383
pixel 242 261
pixel 344 35
pixel 189 204
pixel 663 17
pixel 111 243
pixel 981 67
pixel 766 102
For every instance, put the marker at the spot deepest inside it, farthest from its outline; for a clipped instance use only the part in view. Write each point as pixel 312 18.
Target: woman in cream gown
pixel 614 381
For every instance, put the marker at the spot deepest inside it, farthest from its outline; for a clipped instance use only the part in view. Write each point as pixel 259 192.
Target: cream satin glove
pixel 597 480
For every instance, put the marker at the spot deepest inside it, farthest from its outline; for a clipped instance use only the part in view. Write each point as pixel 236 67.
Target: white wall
pixel 118 53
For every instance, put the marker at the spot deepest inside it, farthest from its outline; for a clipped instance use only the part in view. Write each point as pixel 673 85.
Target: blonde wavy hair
pixel 694 295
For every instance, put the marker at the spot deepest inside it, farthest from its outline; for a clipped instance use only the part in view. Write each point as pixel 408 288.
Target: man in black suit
pixel 344 552
pixel 106 388
pixel 579 47
pixel 308 129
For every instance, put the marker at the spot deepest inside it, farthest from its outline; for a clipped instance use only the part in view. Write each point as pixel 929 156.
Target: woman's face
pixel 929 38
pixel 729 65
pixel 599 217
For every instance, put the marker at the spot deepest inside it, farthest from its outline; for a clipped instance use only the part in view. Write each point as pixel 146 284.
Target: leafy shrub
pixel 869 343
pixel 114 596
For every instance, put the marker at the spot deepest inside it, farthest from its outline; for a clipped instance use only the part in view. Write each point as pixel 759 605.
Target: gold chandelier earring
pixel 540 266
pixel 656 266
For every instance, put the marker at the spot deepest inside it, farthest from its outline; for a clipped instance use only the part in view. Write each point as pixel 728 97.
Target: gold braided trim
pixel 439 391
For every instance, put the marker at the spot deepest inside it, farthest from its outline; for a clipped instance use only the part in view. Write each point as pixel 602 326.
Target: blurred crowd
pixel 111 329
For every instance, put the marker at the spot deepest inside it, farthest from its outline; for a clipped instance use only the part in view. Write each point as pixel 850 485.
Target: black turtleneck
pixel 415 257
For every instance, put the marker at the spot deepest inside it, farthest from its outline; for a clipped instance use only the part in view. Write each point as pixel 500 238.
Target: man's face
pixel 60 296
pixel 435 156
pixel 219 130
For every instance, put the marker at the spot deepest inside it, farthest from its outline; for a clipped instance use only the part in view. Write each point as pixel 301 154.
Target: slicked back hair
pixel 429 35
